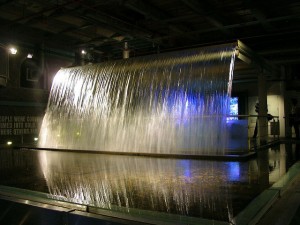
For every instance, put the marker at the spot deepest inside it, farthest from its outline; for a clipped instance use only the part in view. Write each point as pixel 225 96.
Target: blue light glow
pixel 234 171
pixel 185 166
pixel 233 108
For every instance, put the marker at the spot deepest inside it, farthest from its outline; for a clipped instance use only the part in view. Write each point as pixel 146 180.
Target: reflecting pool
pixel 216 190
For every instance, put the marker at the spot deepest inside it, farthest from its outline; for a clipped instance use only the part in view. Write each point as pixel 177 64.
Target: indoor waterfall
pixel 171 103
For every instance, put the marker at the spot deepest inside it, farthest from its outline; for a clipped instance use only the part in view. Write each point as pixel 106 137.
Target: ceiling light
pixel 13 50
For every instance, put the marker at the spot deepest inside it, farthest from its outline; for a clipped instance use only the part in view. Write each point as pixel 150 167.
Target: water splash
pixel 170 103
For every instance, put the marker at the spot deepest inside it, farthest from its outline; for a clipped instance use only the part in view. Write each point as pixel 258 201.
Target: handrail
pixel 256 116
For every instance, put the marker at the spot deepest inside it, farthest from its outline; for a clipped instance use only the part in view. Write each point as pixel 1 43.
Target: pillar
pixel 43 68
pixel 262 115
pixel 3 66
pixel 287 108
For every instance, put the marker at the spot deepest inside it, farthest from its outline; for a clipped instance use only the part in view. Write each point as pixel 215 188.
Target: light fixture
pixel 9 143
pixel 35 139
pixel 13 50
pixel 126 50
pixel 29 56
pixel 83 52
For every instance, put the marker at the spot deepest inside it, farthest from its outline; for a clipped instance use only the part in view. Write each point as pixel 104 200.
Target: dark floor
pixel 286 210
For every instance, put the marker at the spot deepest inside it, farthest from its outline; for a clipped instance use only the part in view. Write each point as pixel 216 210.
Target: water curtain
pixel 171 103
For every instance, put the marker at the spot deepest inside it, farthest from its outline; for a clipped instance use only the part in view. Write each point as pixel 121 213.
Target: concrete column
pixel 3 66
pixel 263 170
pixel 282 109
pixel 262 115
pixel 43 69
pixel 287 132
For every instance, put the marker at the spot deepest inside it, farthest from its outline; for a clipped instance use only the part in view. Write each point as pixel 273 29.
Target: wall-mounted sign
pixel 19 125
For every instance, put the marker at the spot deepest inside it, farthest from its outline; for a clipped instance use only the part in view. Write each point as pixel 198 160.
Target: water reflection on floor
pixel 200 188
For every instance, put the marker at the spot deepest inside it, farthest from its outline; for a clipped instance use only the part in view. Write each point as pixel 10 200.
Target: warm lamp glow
pixel 13 50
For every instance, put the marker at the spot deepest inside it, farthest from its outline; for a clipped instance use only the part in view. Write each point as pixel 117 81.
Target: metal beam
pixel 230 26
pixel 259 15
pixel 23 19
pixel 202 9
pixel 151 12
pixel 145 9
pixel 121 25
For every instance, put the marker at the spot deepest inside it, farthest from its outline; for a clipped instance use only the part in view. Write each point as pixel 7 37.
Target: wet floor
pixel 200 188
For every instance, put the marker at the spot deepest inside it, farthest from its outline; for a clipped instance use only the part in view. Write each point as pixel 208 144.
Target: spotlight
pixel 9 143
pixel 13 50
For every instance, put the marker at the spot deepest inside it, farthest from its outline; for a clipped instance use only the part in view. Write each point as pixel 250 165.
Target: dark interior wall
pixel 31 74
pixel 242 102
pixel 20 124
pixel 24 97
pixel 21 114
pixel 243 91
pixel 52 65
pixel 35 72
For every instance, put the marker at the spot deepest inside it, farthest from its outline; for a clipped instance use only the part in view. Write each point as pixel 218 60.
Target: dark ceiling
pixel 270 28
